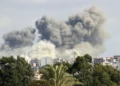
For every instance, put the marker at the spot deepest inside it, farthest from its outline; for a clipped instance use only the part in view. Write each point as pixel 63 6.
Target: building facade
pixel 112 61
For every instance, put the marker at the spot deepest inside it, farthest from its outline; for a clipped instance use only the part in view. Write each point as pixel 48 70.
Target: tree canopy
pixel 18 72
pixel 94 75
pixel 57 75
pixel 15 72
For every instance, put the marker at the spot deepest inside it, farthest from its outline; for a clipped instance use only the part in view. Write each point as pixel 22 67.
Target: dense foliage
pixel 15 72
pixel 81 72
pixel 57 76
pixel 94 75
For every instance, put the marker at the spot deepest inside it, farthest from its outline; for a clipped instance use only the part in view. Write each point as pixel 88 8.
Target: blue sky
pixel 19 14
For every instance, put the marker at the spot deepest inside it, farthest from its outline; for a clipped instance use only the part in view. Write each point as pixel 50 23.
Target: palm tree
pixel 57 76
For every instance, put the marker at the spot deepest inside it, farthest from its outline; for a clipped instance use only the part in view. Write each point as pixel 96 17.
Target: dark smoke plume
pixel 80 34
pixel 84 29
pixel 17 39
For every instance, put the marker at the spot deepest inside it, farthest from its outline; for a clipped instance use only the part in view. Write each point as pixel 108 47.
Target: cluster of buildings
pixel 112 61
pixel 39 63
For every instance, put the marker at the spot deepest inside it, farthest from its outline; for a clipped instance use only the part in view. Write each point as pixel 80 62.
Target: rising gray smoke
pixel 80 34
pixel 17 39
pixel 17 42
pixel 86 28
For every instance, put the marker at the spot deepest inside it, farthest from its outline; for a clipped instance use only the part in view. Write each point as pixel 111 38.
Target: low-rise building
pixel 112 61
pixel 99 60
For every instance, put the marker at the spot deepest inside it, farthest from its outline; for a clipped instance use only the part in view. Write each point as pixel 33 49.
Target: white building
pixel 112 61
pixel 38 63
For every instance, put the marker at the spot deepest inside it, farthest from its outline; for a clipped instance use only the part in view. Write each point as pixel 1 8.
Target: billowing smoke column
pixel 17 39
pixel 17 42
pixel 43 49
pixel 82 33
